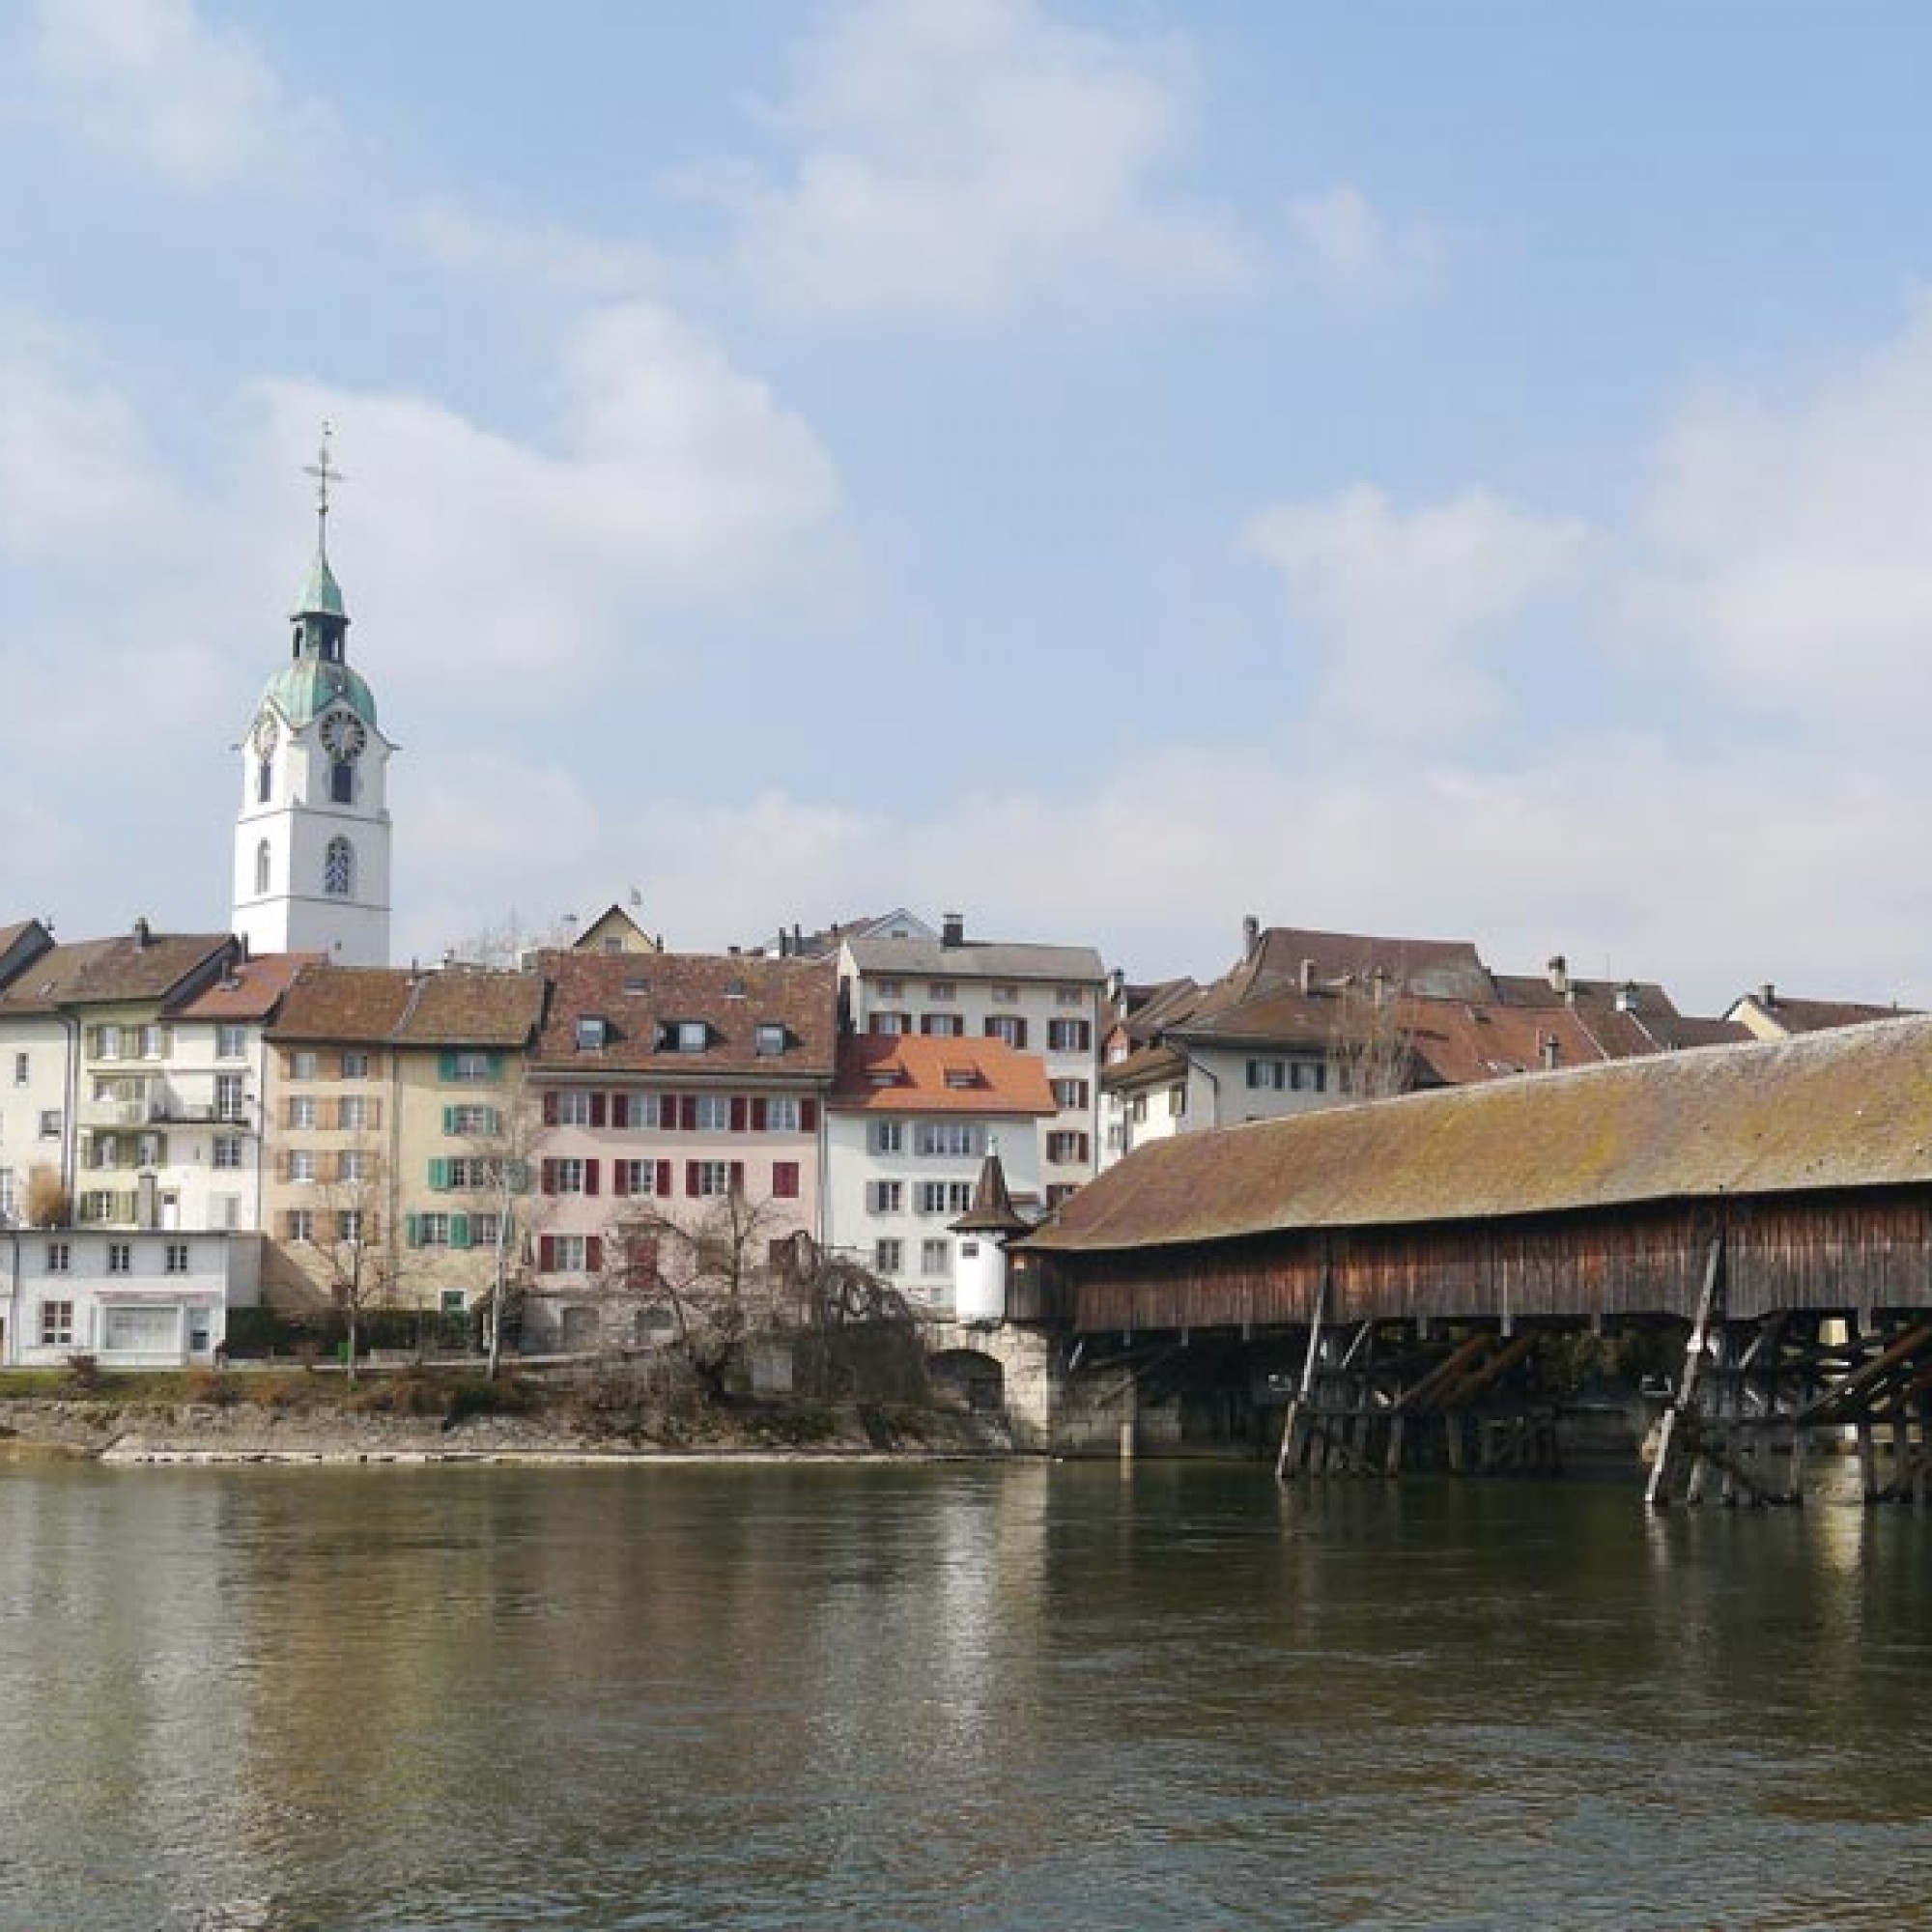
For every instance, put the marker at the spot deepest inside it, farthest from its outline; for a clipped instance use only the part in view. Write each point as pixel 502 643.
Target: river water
pixel 960 1696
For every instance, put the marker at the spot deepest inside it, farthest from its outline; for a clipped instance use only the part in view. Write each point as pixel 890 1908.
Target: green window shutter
pixel 449 1120
pixel 439 1174
pixel 413 1230
pixel 458 1231
pixel 495 1066
pixel 447 1066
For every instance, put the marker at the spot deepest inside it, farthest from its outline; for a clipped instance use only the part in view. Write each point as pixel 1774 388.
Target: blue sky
pixel 1103 468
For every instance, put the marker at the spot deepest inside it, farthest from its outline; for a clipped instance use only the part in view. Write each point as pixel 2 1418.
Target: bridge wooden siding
pixel 1850 1252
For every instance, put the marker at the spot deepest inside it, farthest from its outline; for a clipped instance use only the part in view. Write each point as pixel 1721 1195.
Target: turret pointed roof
pixel 320 595
pixel 992 1211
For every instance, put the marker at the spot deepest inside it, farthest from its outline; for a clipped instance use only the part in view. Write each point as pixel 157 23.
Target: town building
pixel 911 1123
pixel 1769 1014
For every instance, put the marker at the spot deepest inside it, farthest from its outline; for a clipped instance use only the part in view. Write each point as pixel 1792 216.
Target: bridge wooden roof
pixel 1834 1109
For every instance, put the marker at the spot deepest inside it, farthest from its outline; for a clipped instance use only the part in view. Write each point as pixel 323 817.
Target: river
pixel 948 1696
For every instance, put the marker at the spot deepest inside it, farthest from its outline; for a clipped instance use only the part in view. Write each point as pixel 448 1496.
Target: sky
pixel 1103 469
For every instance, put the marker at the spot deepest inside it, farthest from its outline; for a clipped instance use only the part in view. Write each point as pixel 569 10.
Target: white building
pixel 131 1300
pixel 908 1128
pixel 1036 999
pixel 311 869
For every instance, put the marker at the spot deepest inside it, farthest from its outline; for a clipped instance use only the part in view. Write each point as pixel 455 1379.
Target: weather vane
pixel 325 474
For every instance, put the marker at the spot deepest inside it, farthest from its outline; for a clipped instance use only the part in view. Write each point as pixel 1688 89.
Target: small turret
pixel 979 1266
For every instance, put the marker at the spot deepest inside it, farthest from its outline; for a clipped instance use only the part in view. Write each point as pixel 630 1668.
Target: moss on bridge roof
pixel 1834 1109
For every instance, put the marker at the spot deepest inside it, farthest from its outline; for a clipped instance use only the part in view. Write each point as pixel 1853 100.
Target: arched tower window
pixel 342 782
pixel 262 867
pixel 264 779
pixel 338 869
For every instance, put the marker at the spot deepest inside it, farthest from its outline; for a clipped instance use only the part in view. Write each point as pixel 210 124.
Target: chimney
pixel 1251 935
pixel 142 934
pixel 1559 974
pixel 1767 995
pixel 953 929
pixel 1550 1050
pixel 1307 977
pixel 1378 987
pixel 1117 991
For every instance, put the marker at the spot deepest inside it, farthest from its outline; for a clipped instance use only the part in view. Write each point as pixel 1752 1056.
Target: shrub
pixel 83 1372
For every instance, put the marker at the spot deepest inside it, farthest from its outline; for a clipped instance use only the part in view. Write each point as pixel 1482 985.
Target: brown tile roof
pixel 101 972
pixel 252 989
pixel 1533 989
pixel 1850 1108
pixel 886 1073
pixel 635 996
pixel 460 1006
pixel 1449 968
pixel 1815 1016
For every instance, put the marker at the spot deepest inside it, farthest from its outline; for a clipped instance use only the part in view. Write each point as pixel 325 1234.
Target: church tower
pixel 312 838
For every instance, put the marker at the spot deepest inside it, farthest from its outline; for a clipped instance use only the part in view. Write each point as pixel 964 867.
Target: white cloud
pixel 961 158
pixel 156 83
pixel 1356 250
pixel 514 256
pixel 1403 610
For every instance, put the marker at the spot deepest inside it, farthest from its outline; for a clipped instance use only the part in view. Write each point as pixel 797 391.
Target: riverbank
pixel 420 1415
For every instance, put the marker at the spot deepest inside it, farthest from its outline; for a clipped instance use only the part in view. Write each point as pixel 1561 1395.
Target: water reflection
pixel 969 1698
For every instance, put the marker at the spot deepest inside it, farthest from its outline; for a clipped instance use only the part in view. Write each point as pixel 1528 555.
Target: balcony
pixel 134 1104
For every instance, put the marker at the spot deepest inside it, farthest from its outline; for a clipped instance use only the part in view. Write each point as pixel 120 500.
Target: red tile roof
pixel 910 1073
pixel 458 1006
pixel 252 989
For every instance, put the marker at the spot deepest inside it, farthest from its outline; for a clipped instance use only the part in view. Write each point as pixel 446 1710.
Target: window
pixel 153 1042
pixel 265 785
pixel 890 1025
pixel 298 1224
pixel 175 1258
pixel 230 1099
pixel 301 1111
pixel 714 1113
pixel 472 1121
pixel 1067 996
pixel 338 869
pixel 635 1177
pixel 60 1258
pixel 224 1211
pixel 341 782
pixel 1005 996
pixel 1059 1191
pixel 784 1181
pixel 888 1137
pixel 782 1115
pixel 484 1230
pixel 303 1065
pixel 942 989
pixel 1064 1148
pixel 8 1202
pixel 711 1178
pixel 1267 1073
pixel 231 1043
pixel 120 1258
pixel 888 1197
pixel 693 1035
pixel 1176 1103
pixel 887 1257
pixel 1068 1035
pixel 348 1225
pixel 889 989
pixel 564 1176
pixel 50 1123
pixel 572 1107
pixel 1069 1095
pixel 590 1034
pixel 467 1066
pixel 1309 1076
pixel 97 1205
pixel 108 1042
pixel 352 1113
pixel 945 1197
pixel 432 1231
pixel 262 850
pixel 942 1026
pixel 355 1066
pixel 569 1253
pixel 21 1070
pixel 1010 1028
pixel 948 1137
pixel 935 1257
pixel 1139 1108
pixel 301 1164
pixel 56 1325
pixel 472 1173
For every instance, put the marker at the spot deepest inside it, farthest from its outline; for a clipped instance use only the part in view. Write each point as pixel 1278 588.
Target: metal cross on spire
pixel 325 474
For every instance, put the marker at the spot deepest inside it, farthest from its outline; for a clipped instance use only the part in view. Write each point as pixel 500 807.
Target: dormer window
pixel 769 1039
pixel 734 990
pixel 683 1037
pixel 962 1076
pixel 591 1034
pixel 636 983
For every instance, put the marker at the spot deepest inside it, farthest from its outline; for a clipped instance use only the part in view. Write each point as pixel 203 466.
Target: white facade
pixel 36 1062
pixel 1217 1086
pixel 130 1299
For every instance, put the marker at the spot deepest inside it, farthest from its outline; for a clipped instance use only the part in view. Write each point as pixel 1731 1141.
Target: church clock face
pixel 343 735
pixel 265 734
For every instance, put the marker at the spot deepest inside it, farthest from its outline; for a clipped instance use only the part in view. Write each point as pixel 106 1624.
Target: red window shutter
pixel 663 1177
pixel 808 1116
pixel 621 1177
pixel 687 1113
pixel 546 1253
pixel 760 1115
pixel 737 1177
pixel 598 1110
pixel 593 1253
pixel 590 1167
pixel 550 1110
pixel 621 1110
pixel 738 1112
pixel 550 1177
pixel 784 1181
pixel 691 1178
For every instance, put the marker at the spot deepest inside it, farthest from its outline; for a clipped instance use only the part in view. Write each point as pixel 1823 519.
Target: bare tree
pixel 359 1264
pixel 1370 1047
pixel 511 940
pixel 47 1202
pixel 498 1176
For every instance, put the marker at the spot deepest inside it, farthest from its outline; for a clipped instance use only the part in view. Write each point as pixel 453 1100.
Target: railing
pixel 119 1113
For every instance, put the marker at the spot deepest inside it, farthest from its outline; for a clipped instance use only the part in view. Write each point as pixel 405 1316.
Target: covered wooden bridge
pixel 1771 1206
